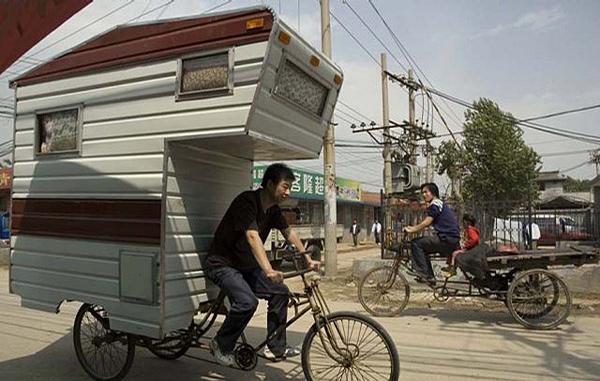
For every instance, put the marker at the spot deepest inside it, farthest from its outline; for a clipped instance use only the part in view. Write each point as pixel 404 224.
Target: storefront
pixel 305 205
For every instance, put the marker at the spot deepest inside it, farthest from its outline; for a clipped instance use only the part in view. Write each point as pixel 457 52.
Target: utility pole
pixel 387 156
pixel 329 162
pixel 387 148
pixel 411 120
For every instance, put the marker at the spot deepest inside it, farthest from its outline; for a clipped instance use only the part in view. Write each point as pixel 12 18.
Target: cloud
pixel 535 21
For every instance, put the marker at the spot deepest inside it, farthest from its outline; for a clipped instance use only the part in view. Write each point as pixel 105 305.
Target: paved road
pixel 434 344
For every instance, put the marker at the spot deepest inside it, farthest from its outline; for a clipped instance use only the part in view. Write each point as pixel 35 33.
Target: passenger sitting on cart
pixel 469 240
pixel 445 241
pixel 238 264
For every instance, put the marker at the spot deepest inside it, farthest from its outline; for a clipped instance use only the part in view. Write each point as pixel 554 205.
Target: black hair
pixel 277 172
pixel 469 218
pixel 432 188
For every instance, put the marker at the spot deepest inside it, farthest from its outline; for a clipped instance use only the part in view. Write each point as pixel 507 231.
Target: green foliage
pixel 574 185
pixel 495 163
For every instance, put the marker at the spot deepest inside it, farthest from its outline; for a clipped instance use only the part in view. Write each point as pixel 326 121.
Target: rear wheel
pixel 173 346
pixel 384 291
pixel 349 346
pixel 105 355
pixel 539 299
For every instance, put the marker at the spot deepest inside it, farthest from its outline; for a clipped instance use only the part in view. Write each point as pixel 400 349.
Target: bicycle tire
pixel 378 286
pixel 539 299
pixel 362 359
pixel 104 354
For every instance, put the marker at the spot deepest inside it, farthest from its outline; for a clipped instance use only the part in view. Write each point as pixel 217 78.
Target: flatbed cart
pixel 536 297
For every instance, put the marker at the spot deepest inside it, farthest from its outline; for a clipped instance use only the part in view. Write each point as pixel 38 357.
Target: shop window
pixel 58 131
pixel 205 76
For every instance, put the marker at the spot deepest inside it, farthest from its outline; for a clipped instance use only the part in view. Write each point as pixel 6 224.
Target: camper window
pixel 296 86
pixel 57 131
pixel 204 76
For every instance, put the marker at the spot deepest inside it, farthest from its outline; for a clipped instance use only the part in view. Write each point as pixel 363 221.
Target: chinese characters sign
pixel 312 185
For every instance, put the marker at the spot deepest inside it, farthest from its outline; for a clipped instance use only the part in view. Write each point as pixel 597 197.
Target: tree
pixel 574 185
pixel 494 161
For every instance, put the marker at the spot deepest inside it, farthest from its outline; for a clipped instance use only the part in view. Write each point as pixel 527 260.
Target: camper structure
pixel 130 147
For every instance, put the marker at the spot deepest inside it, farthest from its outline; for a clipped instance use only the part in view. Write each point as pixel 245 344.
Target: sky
pixel 532 58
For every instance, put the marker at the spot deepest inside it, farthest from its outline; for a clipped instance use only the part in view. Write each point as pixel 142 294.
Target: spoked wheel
pixel 105 355
pixel 172 347
pixel 349 347
pixel 383 291
pixel 539 299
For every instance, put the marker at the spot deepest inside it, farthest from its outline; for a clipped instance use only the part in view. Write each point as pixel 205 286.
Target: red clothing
pixel 471 237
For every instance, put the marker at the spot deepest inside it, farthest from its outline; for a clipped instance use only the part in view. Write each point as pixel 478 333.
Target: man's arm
pixel 424 224
pixel 291 236
pixel 256 245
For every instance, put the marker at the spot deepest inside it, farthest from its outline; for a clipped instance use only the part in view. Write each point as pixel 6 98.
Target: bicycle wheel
pixel 538 299
pixel 172 347
pixel 383 291
pixel 349 346
pixel 104 354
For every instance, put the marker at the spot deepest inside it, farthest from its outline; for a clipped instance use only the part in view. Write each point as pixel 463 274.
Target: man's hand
pixel 315 265
pixel 275 276
pixel 410 229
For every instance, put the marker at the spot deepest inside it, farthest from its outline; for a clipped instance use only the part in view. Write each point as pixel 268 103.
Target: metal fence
pixel 507 223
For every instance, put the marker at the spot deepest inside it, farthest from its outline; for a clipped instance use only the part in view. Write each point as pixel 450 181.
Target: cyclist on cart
pixel 238 264
pixel 445 241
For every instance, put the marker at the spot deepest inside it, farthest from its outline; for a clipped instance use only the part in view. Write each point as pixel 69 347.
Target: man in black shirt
pixel 238 264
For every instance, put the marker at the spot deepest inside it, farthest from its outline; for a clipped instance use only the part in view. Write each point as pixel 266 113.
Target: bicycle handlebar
pixel 298 258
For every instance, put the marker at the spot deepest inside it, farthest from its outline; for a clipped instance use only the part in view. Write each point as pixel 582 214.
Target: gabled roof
pixel 134 44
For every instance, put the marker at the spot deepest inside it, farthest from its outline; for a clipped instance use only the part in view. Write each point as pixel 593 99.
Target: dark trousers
pixel 421 247
pixel 377 239
pixel 243 288
pixel 355 239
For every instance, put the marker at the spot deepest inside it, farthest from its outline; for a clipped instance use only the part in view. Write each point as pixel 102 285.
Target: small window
pixel 298 87
pixel 58 131
pixel 205 76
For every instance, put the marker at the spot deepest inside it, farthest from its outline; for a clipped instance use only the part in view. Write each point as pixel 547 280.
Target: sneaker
pixel 226 359
pixel 289 352
pixel 447 268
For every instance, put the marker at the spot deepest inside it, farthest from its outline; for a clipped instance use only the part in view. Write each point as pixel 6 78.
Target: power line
pixel 561 113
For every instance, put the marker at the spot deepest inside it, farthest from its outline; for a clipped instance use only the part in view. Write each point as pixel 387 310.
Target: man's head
pixel 414 204
pixel 277 181
pixel 354 221
pixel 429 191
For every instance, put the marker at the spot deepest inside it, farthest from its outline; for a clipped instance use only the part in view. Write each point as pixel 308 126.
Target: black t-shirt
pixel 230 246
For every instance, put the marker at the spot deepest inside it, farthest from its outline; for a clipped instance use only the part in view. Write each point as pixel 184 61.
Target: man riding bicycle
pixel 238 264
pixel 446 239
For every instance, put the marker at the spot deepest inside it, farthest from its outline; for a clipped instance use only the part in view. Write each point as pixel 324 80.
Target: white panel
pixel 250 51
pixel 140 144
pixel 25 122
pixel 91 184
pixel 24 138
pixel 104 94
pixel 199 120
pixel 90 167
pixel 23 153
pixel 200 186
pixel 97 80
pixel 165 105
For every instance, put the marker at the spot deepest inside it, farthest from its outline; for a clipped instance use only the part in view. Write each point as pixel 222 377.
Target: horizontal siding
pixel 186 121
pixel 104 220
pixel 127 116
pixel 46 271
pixel 90 167
pixel 200 187
pixel 106 184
